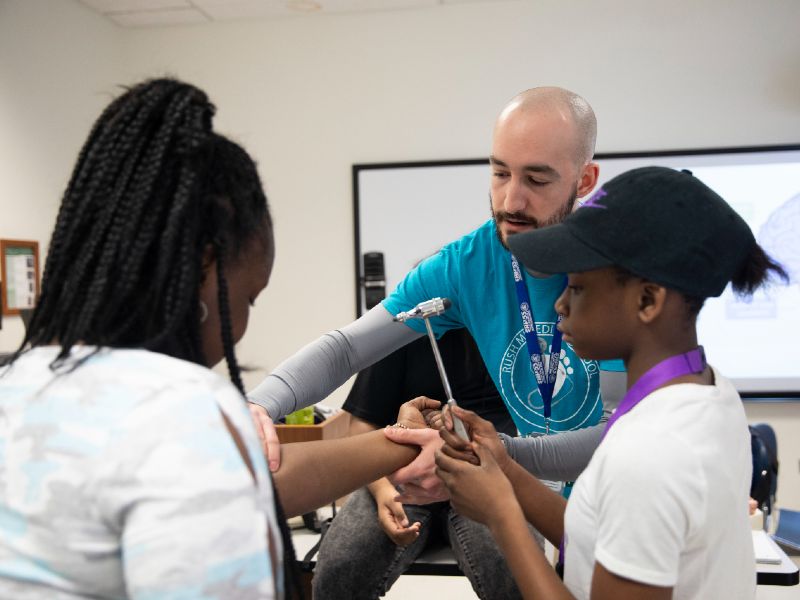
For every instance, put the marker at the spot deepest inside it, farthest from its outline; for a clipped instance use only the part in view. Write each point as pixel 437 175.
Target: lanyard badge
pixel 546 381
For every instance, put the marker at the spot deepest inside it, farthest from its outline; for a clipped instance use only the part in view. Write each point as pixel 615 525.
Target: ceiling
pixel 154 13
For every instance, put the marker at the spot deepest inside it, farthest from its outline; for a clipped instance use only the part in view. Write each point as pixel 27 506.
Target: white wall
pixel 56 61
pixel 311 96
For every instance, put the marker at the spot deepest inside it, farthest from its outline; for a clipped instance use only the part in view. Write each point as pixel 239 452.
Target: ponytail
pixel 755 271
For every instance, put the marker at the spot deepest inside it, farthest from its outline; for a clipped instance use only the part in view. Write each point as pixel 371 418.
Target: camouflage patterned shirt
pixel 119 479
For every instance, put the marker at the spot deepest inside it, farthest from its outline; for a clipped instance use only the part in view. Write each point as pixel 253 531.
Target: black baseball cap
pixel 661 224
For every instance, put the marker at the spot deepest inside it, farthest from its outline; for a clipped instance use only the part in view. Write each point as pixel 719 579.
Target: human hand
pixel 412 413
pixel 434 419
pixel 265 429
pixel 392 517
pixel 418 480
pixel 752 506
pixel 480 430
pixel 480 492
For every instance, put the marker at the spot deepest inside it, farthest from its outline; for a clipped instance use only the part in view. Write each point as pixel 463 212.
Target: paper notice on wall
pixel 20 278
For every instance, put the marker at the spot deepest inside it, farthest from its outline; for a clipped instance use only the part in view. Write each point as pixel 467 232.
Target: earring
pixel 203 312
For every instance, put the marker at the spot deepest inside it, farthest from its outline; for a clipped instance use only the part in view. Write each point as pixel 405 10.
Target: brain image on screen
pixel 778 236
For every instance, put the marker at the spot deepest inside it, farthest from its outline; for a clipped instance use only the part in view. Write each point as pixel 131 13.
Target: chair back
pixel 764 484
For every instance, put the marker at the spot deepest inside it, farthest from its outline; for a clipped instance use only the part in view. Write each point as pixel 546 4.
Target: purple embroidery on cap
pixel 592 202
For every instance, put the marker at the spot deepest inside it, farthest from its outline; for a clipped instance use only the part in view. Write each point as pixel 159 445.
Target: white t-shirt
pixel 119 479
pixel 664 499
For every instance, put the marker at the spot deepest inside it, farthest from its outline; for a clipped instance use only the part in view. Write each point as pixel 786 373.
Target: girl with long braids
pixel 128 469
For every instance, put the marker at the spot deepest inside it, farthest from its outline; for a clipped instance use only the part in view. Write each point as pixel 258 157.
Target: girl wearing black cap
pixel 661 509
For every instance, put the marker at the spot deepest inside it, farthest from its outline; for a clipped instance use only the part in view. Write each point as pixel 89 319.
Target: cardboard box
pixel 334 427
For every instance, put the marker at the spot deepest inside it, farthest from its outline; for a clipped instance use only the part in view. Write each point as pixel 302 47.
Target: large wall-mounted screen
pixel 407 211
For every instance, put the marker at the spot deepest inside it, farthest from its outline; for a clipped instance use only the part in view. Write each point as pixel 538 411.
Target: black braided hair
pixel 152 189
pixel 125 260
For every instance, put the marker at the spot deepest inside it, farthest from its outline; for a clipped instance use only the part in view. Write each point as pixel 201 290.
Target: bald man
pixel 541 163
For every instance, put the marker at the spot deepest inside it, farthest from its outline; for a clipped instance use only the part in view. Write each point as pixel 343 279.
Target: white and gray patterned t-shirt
pixel 119 479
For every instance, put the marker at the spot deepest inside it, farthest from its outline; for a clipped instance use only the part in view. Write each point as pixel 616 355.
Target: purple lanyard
pixel 546 382
pixel 668 369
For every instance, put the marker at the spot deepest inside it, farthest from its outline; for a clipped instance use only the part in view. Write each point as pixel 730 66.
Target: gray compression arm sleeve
pixel 559 457
pixel 326 363
pixel 562 457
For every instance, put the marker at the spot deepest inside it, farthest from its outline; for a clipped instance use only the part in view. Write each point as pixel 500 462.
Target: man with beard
pixel 541 162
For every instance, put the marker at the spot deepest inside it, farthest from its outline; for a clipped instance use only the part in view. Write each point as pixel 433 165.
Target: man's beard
pixel 555 219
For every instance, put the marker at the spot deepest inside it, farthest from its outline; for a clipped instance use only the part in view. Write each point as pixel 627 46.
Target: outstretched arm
pixel 563 457
pixel 313 474
pixel 559 457
pixel 391 515
pixel 322 366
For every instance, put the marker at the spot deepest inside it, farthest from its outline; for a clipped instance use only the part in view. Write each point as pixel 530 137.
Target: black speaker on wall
pixel 374 281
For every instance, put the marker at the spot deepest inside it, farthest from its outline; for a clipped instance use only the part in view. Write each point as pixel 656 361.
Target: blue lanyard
pixel 545 381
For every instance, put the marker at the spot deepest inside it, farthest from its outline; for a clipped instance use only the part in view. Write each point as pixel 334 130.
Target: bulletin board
pixel 19 270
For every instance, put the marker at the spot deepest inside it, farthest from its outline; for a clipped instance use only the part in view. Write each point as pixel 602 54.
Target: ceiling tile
pixel 111 6
pixel 239 9
pixel 143 13
pixel 371 5
pixel 150 18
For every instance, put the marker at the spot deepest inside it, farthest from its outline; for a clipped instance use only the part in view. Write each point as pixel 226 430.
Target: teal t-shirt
pixel 474 272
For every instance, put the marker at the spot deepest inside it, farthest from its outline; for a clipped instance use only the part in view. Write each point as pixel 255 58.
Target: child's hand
pixel 412 413
pixel 480 430
pixel 479 492
pixel 267 434
pixel 393 520
pixel 434 419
